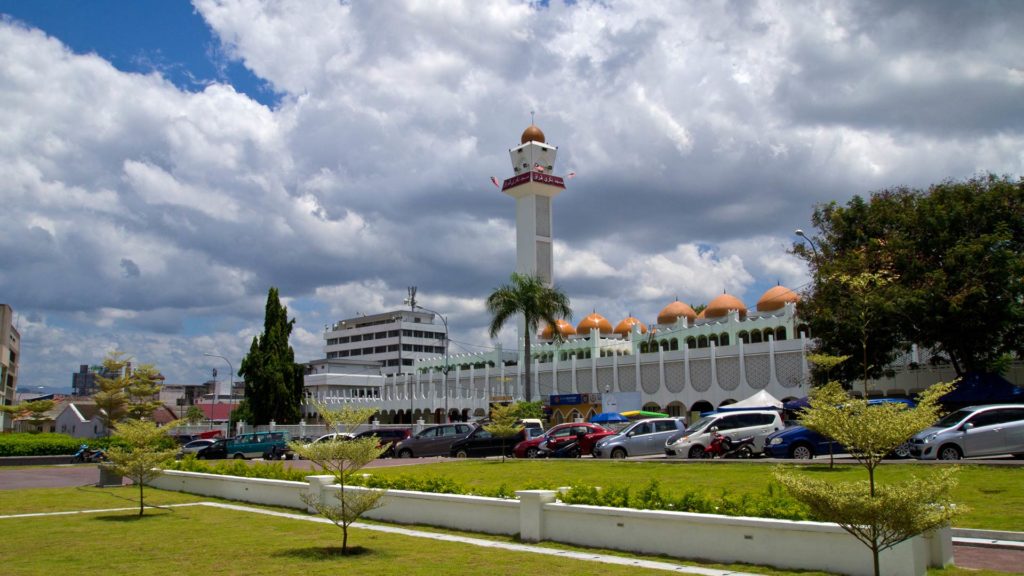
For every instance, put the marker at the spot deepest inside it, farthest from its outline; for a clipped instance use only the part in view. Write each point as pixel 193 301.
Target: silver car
pixel 433 441
pixel 974 431
pixel 639 438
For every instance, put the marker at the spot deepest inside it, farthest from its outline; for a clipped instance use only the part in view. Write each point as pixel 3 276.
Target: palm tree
pixel 530 296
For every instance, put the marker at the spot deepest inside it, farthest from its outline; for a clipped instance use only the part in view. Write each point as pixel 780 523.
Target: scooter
pixel 570 449
pixel 724 447
pixel 86 454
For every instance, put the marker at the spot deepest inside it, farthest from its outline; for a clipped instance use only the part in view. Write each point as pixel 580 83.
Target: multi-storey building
pixel 10 354
pixel 395 339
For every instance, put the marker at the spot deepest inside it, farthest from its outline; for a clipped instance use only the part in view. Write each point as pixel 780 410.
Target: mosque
pixel 687 362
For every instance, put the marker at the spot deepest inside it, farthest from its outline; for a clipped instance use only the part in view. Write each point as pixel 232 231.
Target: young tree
pixel 878 516
pixel 143 451
pixel 194 414
pixel 503 424
pixel 529 296
pixel 273 381
pixel 128 393
pixel 523 410
pixel 341 459
pixel 32 411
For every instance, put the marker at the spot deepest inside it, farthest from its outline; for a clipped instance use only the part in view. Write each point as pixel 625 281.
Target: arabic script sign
pixel 535 177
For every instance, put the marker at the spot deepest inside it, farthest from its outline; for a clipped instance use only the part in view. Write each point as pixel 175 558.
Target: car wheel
pixel 902 451
pixel 461 454
pixel 239 456
pixel 531 452
pixel 801 452
pixel 745 452
pixel 696 452
pixel 618 453
pixel 405 453
pixel 950 452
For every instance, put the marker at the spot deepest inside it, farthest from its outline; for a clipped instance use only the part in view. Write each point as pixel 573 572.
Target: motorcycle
pixel 722 446
pixel 86 454
pixel 570 449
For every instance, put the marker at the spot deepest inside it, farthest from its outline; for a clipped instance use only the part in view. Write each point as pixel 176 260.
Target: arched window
pixel 713 339
pixel 702 406
pixel 723 339
pixel 643 347
pixel 691 342
pixel 755 336
pixel 702 342
pixel 744 337
pixel 674 344
pixel 803 330
pixel 780 333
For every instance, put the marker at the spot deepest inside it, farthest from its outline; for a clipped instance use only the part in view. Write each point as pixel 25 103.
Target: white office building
pixel 396 339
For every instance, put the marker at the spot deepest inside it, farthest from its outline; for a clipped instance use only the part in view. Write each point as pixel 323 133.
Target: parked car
pixel 692 442
pixel 560 434
pixel 268 445
pixel 433 441
pixel 195 446
pixel 387 436
pixel 801 443
pixel 639 438
pixel 481 443
pixel 974 431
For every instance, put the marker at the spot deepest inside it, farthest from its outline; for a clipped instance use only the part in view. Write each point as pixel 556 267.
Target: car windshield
pixel 951 419
pixel 699 424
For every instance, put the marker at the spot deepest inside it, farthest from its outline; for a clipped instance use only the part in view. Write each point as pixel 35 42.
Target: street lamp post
pixel 231 372
pixel 810 241
pixel 444 373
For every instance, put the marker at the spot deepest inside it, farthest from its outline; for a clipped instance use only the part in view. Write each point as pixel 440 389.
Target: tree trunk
pixel 141 504
pixel 526 361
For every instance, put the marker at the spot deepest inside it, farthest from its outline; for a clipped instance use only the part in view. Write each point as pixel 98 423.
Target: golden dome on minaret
pixel 532 134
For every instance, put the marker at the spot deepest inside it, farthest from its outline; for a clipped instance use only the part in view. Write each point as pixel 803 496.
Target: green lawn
pixel 206 541
pixel 991 494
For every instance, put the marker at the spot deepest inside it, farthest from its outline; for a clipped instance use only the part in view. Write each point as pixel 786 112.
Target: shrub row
pixel 774 502
pixel 52 444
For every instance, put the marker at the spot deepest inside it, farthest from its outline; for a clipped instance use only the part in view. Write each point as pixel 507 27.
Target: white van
pixel 692 442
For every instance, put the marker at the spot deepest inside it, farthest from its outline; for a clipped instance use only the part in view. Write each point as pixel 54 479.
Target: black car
pixel 387 436
pixel 482 443
pixel 216 451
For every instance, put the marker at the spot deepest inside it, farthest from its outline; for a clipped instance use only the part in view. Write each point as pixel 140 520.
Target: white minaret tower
pixel 533 187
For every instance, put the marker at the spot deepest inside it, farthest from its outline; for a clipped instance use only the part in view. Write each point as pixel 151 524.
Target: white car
pixel 740 424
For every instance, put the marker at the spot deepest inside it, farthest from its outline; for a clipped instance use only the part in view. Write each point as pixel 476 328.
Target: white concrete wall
pixel 537 516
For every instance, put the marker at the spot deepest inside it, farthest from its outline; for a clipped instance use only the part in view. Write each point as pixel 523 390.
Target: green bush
pixel 38 444
pixel 772 503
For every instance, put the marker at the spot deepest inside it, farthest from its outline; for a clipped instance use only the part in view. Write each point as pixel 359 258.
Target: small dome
pixel 669 314
pixel 595 320
pixel 626 326
pixel 775 298
pixel 721 306
pixel 564 328
pixel 532 134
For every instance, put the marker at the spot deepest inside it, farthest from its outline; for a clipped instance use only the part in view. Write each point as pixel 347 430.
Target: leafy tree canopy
pixel 273 381
pixel 140 453
pixel 952 258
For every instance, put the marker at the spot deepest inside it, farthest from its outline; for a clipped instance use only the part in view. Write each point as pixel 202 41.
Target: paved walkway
pixel 967 552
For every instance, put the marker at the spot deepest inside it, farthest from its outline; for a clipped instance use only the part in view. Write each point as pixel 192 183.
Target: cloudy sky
pixel 162 164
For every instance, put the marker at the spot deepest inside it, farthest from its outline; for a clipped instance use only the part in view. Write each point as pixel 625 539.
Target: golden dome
pixel 626 326
pixel 775 298
pixel 595 320
pixel 721 306
pixel 532 134
pixel 669 314
pixel 564 328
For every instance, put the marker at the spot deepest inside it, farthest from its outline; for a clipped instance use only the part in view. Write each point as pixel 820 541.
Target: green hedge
pixel 51 444
pixel 772 503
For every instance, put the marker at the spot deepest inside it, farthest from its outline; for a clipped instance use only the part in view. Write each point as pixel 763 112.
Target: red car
pixel 561 434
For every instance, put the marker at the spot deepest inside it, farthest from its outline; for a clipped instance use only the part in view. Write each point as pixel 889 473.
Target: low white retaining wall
pixel 537 516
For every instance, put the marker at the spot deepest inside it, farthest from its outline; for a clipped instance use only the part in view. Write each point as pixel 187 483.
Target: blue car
pixel 803 444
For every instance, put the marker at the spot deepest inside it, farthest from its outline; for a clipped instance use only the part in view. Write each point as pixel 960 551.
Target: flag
pixel 538 168
pixel 570 175
pixel 495 182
